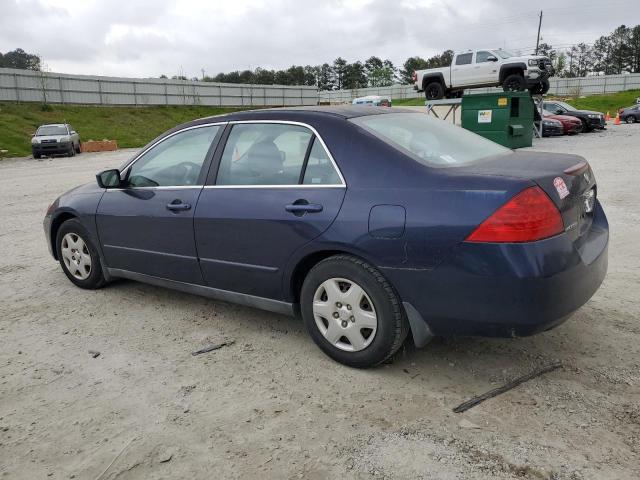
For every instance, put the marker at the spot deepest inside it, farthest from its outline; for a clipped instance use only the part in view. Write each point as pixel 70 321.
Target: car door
pixel 147 226
pixel 485 69
pixel 275 189
pixel 462 70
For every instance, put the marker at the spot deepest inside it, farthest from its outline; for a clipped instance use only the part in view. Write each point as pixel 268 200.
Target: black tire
pixel 95 278
pixel 630 119
pixel 78 148
pixel 514 83
pixel 585 127
pixel 37 156
pixel 540 88
pixel 72 151
pixel 434 91
pixel 392 326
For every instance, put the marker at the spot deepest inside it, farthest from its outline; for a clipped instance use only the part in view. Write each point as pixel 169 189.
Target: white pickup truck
pixel 485 68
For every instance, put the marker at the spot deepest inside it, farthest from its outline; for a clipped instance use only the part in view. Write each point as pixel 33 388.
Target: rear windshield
pixel 52 130
pixel 430 141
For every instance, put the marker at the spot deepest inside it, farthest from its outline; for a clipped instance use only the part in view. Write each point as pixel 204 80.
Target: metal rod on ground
pixel 463 407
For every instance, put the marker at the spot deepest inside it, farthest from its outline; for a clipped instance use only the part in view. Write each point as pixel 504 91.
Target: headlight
pixel 593 115
pixel 65 139
pixel 552 123
pixel 534 63
pixel 34 141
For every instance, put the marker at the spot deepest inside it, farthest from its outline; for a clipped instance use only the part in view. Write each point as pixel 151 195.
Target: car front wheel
pixel 631 119
pixel 352 312
pixel 78 256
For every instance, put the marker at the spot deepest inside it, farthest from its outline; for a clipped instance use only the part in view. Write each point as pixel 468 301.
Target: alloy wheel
pixel 76 256
pixel 344 314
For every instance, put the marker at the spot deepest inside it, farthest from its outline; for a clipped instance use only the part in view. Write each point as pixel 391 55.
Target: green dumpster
pixel 506 118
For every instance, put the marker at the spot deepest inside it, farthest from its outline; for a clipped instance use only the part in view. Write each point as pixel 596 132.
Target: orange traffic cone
pixel 607 117
pixel 617 120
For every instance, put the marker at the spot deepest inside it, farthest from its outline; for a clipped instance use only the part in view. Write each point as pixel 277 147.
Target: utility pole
pixel 539 25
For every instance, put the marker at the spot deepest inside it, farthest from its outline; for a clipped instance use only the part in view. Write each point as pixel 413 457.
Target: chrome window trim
pixel 153 145
pixel 343 183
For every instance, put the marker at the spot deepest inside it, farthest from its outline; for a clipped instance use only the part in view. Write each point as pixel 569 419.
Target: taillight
pixel 414 76
pixel 529 216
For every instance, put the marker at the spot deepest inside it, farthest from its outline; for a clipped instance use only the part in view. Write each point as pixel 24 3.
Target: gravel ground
pixel 271 404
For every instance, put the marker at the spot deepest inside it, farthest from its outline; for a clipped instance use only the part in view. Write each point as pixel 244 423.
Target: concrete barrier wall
pixel 30 86
pixel 558 86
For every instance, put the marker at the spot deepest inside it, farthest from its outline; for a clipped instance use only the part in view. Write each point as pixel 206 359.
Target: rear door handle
pixel 302 208
pixel 178 206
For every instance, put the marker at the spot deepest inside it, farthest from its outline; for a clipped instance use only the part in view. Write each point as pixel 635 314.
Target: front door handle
pixel 300 207
pixel 178 206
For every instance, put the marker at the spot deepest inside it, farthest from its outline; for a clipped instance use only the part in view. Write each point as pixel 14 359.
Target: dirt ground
pixel 272 405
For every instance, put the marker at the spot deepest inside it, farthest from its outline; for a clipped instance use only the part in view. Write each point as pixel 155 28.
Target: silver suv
pixel 55 139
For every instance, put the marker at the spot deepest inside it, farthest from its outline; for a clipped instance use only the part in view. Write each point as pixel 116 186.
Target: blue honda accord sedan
pixel 371 223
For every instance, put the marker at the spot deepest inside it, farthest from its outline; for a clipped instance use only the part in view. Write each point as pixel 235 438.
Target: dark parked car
pixel 590 120
pixel 369 222
pixel 550 127
pixel 55 139
pixel 630 114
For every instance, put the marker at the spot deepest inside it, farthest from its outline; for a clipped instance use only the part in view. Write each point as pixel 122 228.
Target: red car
pixel 570 125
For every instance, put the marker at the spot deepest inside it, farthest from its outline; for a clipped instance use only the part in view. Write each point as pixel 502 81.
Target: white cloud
pixel 151 37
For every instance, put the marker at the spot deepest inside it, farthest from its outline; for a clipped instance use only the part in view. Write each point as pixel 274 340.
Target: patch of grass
pixel 129 126
pixel 606 103
pixel 408 102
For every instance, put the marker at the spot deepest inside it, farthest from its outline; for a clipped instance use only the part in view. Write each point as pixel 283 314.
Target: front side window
pixel 504 54
pixel 483 56
pixel 464 59
pixel 264 154
pixel 176 161
pixel 429 141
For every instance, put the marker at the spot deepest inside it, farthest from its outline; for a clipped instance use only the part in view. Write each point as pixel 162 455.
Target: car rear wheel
pixel 352 312
pixel 540 88
pixel 631 119
pixel 78 256
pixel 434 91
pixel 514 83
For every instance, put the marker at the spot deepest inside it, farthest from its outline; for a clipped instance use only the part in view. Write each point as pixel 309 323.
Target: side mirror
pixel 559 111
pixel 109 178
pixel 492 59
pixel 72 132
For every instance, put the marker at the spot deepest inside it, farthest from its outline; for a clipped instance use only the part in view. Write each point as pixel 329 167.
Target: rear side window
pixel 264 154
pixel 429 141
pixel 464 59
pixel 320 169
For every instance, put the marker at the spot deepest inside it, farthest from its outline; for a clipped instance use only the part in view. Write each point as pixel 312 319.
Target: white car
pixel 485 68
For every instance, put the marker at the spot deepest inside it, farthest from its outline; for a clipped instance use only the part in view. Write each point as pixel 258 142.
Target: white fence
pixel 30 86
pixel 558 86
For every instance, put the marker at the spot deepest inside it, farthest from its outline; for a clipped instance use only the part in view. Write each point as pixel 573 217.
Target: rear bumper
pixel 506 290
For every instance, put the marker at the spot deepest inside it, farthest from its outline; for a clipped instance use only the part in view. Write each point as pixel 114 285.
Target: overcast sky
pixel 151 37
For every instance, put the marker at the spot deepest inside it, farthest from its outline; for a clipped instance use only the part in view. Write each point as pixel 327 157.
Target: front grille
pixel 49 141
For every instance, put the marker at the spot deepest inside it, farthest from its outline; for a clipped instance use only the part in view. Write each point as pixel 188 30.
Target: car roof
pixel 309 112
pixel 53 125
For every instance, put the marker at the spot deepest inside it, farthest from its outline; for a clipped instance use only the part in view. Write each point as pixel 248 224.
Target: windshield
pixel 52 130
pixel 504 53
pixel 429 141
pixel 567 106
